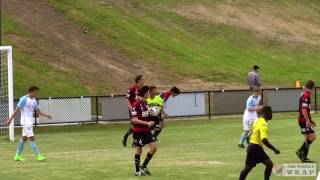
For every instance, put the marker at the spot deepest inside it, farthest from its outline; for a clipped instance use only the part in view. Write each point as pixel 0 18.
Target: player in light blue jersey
pixel 28 106
pixel 253 106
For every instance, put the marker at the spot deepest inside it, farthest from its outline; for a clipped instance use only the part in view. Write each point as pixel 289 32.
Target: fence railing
pixel 187 104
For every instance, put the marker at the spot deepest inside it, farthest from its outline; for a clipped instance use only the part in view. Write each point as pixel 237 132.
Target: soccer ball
pixel 154 111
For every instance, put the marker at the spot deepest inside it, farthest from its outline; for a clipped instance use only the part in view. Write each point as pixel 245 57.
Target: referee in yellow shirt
pixel 155 100
pixel 255 152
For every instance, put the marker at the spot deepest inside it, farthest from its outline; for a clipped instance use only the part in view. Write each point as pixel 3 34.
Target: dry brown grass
pixel 283 24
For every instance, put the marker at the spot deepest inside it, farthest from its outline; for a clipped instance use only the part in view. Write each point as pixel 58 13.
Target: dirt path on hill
pixel 93 62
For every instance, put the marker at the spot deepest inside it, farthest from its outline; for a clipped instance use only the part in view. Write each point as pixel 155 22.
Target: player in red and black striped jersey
pixel 305 122
pixel 132 96
pixel 142 131
pixel 165 96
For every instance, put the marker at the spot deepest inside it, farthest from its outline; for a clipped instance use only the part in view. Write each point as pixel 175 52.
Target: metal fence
pixel 187 104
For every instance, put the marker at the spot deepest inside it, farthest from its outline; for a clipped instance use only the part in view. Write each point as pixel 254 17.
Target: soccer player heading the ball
pixel 27 106
pixel 165 95
pixel 142 131
pixel 255 152
pixel 174 91
pixel 305 122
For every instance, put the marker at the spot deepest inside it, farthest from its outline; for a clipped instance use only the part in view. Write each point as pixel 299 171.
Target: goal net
pixel 6 92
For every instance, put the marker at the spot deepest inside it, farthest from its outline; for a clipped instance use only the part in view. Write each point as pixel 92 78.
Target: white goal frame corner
pixel 8 50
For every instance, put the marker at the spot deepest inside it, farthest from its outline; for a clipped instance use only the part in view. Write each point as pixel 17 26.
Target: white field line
pixel 60 154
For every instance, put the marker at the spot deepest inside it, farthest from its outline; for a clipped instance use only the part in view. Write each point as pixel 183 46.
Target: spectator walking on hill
pixel 254 78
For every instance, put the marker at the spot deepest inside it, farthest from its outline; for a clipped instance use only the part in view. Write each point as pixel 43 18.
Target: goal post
pixel 6 91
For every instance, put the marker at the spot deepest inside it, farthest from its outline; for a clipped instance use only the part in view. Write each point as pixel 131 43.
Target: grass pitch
pixel 193 149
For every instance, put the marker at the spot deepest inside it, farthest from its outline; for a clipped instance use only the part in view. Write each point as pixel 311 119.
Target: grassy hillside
pixel 198 46
pixel 214 41
pixel 30 68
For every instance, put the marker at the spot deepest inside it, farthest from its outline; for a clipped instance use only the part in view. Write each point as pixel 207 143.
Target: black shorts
pixel 255 155
pixel 157 120
pixel 304 129
pixel 141 139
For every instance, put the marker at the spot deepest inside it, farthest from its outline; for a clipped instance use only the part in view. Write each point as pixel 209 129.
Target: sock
pixel 243 138
pixel 128 133
pixel 243 175
pixel 302 146
pixel 137 162
pixel 34 148
pixel 157 132
pixel 306 148
pixel 267 173
pixel 20 147
pixel 147 160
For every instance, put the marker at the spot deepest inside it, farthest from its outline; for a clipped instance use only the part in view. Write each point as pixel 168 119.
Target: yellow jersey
pixel 260 131
pixel 156 101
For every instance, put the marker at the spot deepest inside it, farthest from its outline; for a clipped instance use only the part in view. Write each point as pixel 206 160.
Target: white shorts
pixel 247 121
pixel 27 130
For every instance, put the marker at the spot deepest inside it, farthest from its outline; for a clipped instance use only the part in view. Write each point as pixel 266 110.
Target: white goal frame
pixel 8 50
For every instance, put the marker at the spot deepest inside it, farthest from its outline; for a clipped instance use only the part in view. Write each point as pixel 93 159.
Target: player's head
pixel 255 67
pixel 175 91
pixel 144 92
pixel 266 113
pixel 139 80
pixel 256 91
pixel 309 85
pixel 152 91
pixel 33 91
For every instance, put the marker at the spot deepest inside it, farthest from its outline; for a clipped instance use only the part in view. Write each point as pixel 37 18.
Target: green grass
pixel 32 69
pixel 148 31
pixel 151 32
pixel 194 149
